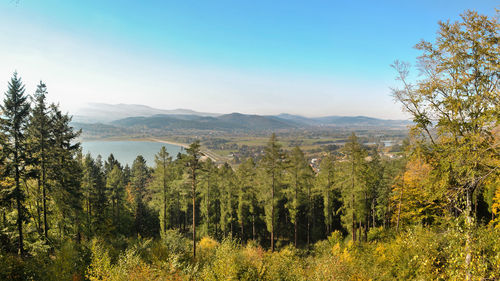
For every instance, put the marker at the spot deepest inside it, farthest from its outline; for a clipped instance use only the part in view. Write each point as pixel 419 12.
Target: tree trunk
pixel 164 197
pixel 296 214
pixel 242 231
pixel 253 227
pixel 19 214
pixel 400 199
pixel 468 224
pixel 272 215
pixel 353 227
pixel 352 204
pixel 44 196
pixel 308 214
pixel 194 213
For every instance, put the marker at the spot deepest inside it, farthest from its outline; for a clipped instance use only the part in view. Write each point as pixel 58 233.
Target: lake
pixel 127 151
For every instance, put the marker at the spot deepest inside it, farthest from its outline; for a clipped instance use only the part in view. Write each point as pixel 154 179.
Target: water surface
pixel 127 151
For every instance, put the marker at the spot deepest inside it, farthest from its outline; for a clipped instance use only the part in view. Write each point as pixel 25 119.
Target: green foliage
pixel 431 215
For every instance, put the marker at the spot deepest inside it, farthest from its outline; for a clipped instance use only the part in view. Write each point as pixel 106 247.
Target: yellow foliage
pixel 495 208
pixel 207 244
pixel 418 202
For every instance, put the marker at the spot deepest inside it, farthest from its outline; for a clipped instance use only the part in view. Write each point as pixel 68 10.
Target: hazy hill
pixel 98 119
pixel 105 113
pixel 344 121
pixel 233 121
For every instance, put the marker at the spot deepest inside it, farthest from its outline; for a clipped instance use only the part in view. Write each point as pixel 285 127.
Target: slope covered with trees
pixel 432 213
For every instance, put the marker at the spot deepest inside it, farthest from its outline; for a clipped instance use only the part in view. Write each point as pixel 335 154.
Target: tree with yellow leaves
pixel 455 106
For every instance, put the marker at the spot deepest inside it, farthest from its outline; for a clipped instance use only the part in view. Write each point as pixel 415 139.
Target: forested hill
pixel 234 121
pixel 143 117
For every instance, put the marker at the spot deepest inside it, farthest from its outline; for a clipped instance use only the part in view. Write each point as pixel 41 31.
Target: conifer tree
pixel 115 187
pixel 355 154
pixel 139 181
pixel 325 185
pixel 161 181
pixel 300 174
pixel 40 147
pixel 209 194
pixel 65 171
pixel 247 196
pixel 15 109
pixel 227 198
pixel 272 167
pixel 193 165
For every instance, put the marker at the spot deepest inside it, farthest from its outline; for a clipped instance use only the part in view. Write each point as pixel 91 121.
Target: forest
pixel 432 213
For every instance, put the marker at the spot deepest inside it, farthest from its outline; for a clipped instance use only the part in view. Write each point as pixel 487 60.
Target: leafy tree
pixel 455 106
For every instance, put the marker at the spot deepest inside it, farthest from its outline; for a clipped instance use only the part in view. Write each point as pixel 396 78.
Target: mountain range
pixel 141 116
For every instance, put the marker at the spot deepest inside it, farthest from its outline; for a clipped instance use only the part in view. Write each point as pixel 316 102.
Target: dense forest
pixel 433 212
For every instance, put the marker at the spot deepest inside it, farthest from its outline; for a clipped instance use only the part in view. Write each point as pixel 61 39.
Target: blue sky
pixel 312 57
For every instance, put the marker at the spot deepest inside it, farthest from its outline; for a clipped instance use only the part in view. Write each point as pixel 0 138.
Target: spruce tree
pixel 272 167
pixel 247 196
pixel 300 174
pixel 41 146
pixel 116 190
pixel 16 109
pixel 161 181
pixel 193 165
pixel 140 178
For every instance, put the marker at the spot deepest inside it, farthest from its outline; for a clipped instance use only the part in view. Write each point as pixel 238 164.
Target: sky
pixel 313 58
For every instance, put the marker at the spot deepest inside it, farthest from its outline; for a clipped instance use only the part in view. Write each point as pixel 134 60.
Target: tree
pixel 89 183
pixel 455 107
pixel 139 181
pixel 227 198
pixel 272 167
pixel 16 110
pixel 115 187
pixel 65 171
pixel 40 146
pixel 325 185
pixel 193 165
pixel 354 169
pixel 300 174
pixel 210 195
pixel 247 196
pixel 161 180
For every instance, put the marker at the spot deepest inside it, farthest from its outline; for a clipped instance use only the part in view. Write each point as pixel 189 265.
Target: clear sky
pixel 311 57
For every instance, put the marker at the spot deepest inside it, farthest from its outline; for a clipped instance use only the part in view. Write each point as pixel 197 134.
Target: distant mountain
pixel 298 119
pixel 113 119
pixel 257 122
pixel 233 121
pixel 344 121
pixel 105 113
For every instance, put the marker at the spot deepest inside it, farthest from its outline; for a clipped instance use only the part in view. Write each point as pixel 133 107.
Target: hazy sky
pixel 305 57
